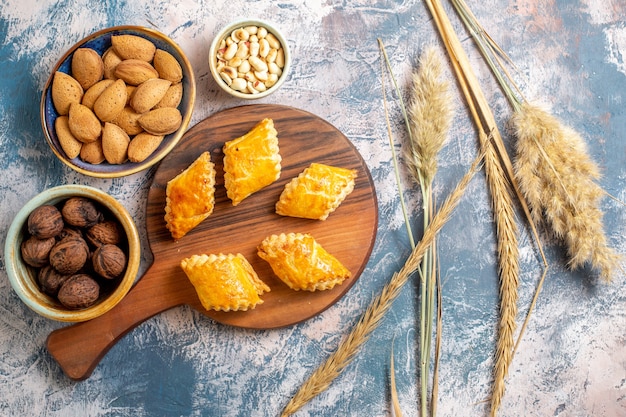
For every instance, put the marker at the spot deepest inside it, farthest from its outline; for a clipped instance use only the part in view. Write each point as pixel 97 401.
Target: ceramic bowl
pixel 101 41
pixel 224 79
pixel 23 278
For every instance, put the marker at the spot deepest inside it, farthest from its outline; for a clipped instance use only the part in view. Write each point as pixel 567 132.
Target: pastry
pixel 251 162
pixel 302 263
pixel 316 192
pixel 190 196
pixel 224 282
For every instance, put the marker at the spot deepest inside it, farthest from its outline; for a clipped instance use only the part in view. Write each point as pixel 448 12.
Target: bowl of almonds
pixel 249 59
pixel 72 253
pixel 118 101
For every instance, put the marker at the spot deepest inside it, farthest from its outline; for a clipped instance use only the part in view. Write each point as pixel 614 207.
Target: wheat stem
pixel 321 379
pixel 394 158
pixel 499 174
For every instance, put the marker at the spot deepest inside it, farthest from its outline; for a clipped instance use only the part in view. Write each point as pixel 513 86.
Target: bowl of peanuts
pixel 118 101
pixel 249 59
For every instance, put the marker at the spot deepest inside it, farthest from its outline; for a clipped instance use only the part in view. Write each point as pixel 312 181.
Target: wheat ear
pixel 321 379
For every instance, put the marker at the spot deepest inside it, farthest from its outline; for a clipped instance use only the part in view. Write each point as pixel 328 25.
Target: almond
pixel 148 94
pixel 111 102
pixel 142 146
pixel 87 67
pixel 65 91
pixel 161 121
pixel 133 47
pixel 83 123
pixel 110 60
pixel 114 144
pixel 167 66
pixel 130 89
pixel 92 152
pixel 172 97
pixel 135 71
pixel 70 145
pixel 128 120
pixel 90 96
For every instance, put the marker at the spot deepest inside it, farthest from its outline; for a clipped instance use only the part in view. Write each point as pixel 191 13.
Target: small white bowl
pixel 216 48
pixel 23 278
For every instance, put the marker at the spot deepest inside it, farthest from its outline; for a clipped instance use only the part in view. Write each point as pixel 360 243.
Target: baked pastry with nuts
pixel 302 263
pixel 224 282
pixel 252 161
pixel 190 196
pixel 316 192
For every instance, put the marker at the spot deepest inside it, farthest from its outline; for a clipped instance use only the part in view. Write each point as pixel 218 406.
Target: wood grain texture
pixel 349 234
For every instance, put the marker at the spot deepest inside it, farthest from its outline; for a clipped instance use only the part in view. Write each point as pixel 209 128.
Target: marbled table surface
pixel 572 359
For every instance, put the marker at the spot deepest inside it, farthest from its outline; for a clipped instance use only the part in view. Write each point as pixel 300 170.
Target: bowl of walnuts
pixel 118 101
pixel 72 253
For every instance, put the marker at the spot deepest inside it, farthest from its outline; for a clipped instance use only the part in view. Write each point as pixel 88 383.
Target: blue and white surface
pixel 572 359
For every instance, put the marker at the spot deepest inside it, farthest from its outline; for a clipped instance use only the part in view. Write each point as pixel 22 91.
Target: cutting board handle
pixel 79 348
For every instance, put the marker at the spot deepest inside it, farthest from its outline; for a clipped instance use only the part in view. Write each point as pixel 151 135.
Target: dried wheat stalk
pixel 499 173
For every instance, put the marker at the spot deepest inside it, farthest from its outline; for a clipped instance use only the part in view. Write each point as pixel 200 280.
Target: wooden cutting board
pixel 349 234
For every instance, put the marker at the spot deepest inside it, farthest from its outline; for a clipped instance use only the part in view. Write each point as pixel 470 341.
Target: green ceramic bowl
pixel 23 278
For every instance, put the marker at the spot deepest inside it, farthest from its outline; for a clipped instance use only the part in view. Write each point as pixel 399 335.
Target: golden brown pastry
pixel 224 282
pixel 251 162
pixel 316 192
pixel 302 263
pixel 190 196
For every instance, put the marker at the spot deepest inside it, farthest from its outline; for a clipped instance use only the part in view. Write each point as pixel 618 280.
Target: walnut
pixel 50 280
pixel 45 221
pixel 109 261
pixel 70 232
pixel 35 251
pixel 79 291
pixel 69 255
pixel 106 232
pixel 80 212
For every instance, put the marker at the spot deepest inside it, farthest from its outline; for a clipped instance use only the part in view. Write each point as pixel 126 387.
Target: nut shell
pixel 50 280
pixel 80 212
pixel 148 94
pixel 135 71
pixel 92 94
pixel 70 145
pixel 161 121
pixel 83 123
pixel 87 67
pixel 69 255
pixel 108 232
pixel 35 252
pixel 167 66
pixel 92 152
pixel 133 47
pixel 111 101
pixel 115 143
pixel 45 221
pixel 65 91
pixel 79 291
pixel 109 261
pixel 143 145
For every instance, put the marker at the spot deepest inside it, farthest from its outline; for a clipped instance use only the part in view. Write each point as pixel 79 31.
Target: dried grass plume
pixel 558 179
pixel 430 115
